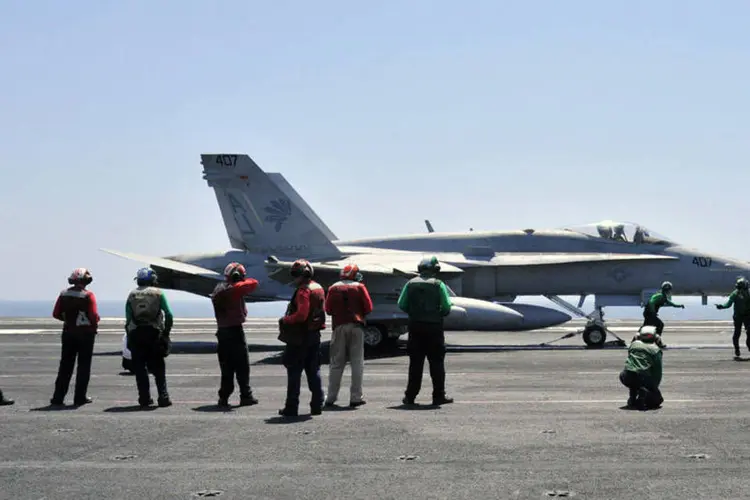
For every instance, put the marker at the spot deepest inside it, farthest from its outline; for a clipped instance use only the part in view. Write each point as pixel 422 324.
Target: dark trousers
pixel 303 358
pixel 651 319
pixel 644 393
pixel 234 361
pixel 426 340
pixel 148 356
pixel 738 322
pixel 80 346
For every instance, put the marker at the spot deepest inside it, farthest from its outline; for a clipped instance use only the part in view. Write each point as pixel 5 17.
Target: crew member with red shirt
pixel 76 308
pixel 300 330
pixel 348 302
pixel 228 299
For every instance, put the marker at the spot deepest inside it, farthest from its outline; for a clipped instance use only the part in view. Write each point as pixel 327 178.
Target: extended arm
pixel 668 301
pixel 729 301
pixel 244 287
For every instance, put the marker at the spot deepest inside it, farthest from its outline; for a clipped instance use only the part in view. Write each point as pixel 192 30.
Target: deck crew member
pixel 76 307
pixel 348 303
pixel 426 300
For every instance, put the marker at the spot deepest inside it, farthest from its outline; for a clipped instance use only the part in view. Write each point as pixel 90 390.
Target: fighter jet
pixel 269 226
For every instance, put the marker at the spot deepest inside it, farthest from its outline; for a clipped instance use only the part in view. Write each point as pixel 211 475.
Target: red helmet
pixel 234 271
pixel 301 268
pixel 80 276
pixel 349 272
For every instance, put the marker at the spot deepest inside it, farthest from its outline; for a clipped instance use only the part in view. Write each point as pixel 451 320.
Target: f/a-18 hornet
pixel 269 226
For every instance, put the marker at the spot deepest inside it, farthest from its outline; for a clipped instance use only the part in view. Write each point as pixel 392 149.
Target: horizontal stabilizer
pixel 168 264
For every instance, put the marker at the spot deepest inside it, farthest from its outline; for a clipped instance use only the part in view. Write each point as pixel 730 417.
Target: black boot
pixel 5 401
pixel 288 412
pixel 248 400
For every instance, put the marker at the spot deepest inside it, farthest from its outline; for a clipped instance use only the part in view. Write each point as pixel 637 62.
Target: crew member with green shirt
pixel 643 370
pixel 426 300
pixel 148 322
pixel 657 300
pixel 740 297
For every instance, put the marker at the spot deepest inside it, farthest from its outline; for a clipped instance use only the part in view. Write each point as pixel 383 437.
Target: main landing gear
pixel 594 334
pixel 381 336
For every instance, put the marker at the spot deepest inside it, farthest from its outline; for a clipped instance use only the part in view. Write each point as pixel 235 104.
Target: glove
pixel 682 306
pixel 719 306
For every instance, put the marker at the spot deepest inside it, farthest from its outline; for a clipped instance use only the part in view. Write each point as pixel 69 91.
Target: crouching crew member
pixel 300 331
pixel 643 370
pixel 740 297
pixel 657 300
pixel 76 307
pixel 230 310
pixel 426 300
pixel 5 401
pixel 347 302
pixel 148 323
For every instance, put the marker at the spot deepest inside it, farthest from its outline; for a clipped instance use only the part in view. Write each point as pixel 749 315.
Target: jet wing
pixel 168 264
pixel 542 259
pixel 369 264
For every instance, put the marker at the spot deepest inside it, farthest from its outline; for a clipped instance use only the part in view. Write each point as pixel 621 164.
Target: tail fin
pixel 258 215
pixel 302 205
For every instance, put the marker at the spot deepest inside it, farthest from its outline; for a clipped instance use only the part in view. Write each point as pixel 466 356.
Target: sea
pixel 203 309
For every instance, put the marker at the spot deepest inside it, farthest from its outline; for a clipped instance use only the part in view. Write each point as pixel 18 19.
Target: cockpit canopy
pixel 625 232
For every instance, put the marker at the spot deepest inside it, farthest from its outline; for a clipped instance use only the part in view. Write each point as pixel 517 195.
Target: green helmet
pixel 429 264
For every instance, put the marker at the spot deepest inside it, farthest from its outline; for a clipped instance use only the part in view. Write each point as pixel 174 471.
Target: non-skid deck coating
pixel 527 423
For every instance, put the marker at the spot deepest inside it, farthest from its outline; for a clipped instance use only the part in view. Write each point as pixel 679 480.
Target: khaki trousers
pixel 347 344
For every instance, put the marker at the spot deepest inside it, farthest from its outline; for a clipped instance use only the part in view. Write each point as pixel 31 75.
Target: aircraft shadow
pixel 325 354
pixel 201 347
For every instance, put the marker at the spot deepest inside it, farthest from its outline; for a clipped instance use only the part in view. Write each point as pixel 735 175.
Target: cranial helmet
pixel 146 276
pixel 741 283
pixel 234 271
pixel 666 287
pixel 80 276
pixel 350 272
pixel 429 264
pixel 301 268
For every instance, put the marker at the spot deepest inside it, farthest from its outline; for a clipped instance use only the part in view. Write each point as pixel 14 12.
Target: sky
pixel 486 114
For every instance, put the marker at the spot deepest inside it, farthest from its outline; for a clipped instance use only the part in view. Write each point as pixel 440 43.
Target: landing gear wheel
pixel 594 336
pixel 373 336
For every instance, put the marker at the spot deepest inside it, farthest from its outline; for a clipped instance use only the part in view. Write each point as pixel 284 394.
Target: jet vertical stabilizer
pixel 302 205
pixel 258 215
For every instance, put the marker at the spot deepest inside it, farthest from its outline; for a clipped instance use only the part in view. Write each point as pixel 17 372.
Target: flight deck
pixel 528 422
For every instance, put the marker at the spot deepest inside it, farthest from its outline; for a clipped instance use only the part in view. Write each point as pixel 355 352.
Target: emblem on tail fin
pixel 278 211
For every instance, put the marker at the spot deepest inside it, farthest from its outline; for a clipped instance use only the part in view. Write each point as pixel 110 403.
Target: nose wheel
pixel 594 336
